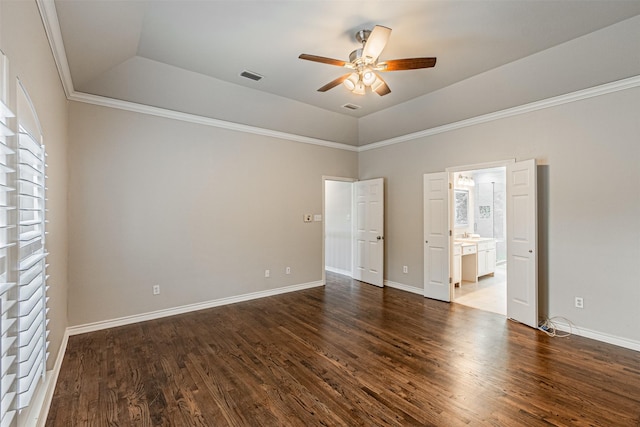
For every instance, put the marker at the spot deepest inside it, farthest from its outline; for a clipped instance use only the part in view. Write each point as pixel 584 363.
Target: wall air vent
pixel 251 75
pixel 351 106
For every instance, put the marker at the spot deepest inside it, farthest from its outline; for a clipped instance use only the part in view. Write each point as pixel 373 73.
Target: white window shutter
pixel 8 293
pixel 32 279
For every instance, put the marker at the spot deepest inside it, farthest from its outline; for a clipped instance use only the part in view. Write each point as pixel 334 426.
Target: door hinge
pixel 449 233
pixel 450 186
pixel 450 280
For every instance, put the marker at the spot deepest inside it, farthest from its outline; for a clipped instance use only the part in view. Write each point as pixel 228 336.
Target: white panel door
pixel 522 265
pixel 369 232
pixel 436 236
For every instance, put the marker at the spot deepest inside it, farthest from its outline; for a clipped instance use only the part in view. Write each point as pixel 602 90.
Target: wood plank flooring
pixel 346 354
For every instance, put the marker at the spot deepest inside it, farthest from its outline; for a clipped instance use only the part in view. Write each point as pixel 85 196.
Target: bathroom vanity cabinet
pixel 478 258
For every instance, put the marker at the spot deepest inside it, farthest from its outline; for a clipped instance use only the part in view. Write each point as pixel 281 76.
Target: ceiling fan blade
pixel 407 64
pixel 333 83
pixel 376 42
pixel 323 60
pixel 380 86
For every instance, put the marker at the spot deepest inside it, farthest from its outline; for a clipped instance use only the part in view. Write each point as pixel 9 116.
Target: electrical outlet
pixel 267 273
pixel 156 289
pixel 287 270
pixel 579 302
pixel 405 269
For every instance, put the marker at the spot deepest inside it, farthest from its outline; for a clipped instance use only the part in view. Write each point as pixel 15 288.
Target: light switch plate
pixel 317 217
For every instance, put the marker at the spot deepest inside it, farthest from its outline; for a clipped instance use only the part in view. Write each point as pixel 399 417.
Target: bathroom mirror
pixel 461 208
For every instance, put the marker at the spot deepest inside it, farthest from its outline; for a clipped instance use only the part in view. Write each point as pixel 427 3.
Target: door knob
pixel 530 251
pixel 426 241
pixel 379 237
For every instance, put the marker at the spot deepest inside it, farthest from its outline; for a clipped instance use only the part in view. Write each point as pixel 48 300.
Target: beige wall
pixel 23 40
pixel 589 216
pixel 201 211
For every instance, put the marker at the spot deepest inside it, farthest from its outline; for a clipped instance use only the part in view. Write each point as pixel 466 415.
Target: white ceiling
pixel 220 39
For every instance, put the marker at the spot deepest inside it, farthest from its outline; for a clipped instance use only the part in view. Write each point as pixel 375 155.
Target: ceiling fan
pixel 364 63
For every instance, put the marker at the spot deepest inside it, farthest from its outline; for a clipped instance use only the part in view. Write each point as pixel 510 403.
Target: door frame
pixel 326 178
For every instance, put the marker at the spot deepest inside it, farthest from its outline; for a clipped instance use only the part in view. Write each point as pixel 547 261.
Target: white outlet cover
pixel 317 217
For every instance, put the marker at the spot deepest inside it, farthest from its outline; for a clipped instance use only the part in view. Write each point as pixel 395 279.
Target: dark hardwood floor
pixel 344 354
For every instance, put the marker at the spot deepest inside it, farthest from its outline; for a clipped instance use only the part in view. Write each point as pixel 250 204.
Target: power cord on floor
pixel 550 328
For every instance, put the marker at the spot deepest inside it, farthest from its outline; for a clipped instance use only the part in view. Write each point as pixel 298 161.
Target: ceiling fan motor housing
pixel 355 55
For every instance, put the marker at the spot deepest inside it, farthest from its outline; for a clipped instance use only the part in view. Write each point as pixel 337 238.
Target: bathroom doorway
pixel 521 238
pixel 479 238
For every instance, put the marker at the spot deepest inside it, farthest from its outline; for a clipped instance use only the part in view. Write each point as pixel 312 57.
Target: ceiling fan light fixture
pixel 368 77
pixel 360 88
pixel 351 81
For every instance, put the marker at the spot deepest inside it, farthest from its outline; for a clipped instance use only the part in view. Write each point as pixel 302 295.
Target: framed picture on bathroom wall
pixel 461 208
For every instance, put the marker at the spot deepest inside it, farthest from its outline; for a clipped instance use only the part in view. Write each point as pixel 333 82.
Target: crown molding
pixel 555 101
pixel 52 29
pixel 206 121
pixel 51 24
pixel 579 95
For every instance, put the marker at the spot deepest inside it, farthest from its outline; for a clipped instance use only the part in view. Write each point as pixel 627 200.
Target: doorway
pixel 521 238
pixel 353 229
pixel 479 218
pixel 338 228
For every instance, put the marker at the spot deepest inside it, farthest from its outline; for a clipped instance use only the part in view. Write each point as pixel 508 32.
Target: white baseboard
pixel 598 336
pixel 128 320
pixel 339 271
pixel 403 287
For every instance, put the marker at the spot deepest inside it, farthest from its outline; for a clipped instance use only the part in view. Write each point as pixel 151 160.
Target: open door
pixel 368 260
pixel 522 265
pixel 436 236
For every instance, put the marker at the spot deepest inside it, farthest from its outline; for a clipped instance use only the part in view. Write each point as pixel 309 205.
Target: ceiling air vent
pixel 351 106
pixel 251 75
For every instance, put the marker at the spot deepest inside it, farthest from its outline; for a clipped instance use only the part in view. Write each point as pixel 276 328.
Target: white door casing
pixel 368 260
pixel 436 236
pixel 522 265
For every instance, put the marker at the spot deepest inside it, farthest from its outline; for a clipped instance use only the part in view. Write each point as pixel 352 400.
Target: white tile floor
pixel 489 294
